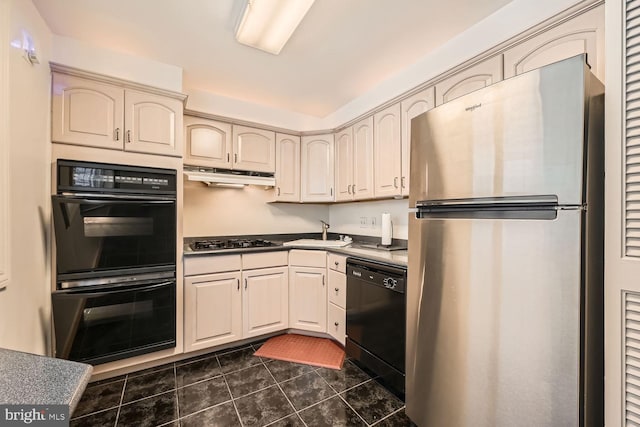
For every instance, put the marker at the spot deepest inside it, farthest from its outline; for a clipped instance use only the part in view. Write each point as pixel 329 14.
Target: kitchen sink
pixel 316 243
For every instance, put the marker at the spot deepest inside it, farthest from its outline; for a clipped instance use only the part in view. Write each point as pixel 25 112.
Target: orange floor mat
pixel 302 349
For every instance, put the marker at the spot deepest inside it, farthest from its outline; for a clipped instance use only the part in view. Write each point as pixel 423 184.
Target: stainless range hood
pixel 228 177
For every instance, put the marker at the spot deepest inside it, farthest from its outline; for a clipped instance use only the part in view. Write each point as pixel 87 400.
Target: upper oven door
pixel 99 236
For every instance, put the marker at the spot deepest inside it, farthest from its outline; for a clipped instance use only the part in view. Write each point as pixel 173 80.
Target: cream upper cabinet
pixel 308 298
pixel 254 149
pixel 287 168
pixel 344 164
pixel 363 159
pixel 387 152
pixel 476 77
pixel 86 112
pixel 582 34
pixel 411 107
pixel 265 301
pixel 316 168
pixel 153 122
pixel 213 310
pixel 207 143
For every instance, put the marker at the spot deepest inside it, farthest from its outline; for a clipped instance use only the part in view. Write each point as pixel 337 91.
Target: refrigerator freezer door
pixel 523 136
pixel 493 321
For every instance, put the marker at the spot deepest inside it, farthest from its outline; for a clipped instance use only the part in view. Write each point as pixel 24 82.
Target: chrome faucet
pixel 325 226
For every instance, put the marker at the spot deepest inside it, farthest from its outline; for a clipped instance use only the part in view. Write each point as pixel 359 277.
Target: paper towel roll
pixel 386 232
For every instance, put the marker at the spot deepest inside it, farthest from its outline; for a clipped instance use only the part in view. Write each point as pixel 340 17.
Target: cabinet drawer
pixel 264 260
pixel 307 258
pixel 337 288
pixel 337 262
pixel 336 322
pixel 194 265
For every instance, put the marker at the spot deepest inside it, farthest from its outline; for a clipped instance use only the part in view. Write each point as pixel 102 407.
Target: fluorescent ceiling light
pixel 268 24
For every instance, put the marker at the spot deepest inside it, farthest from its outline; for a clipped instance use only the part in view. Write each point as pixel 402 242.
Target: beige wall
pixel 229 211
pixel 345 218
pixel 25 304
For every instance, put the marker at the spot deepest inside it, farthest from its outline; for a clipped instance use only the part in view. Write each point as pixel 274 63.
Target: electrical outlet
pixel 364 222
pixel 374 222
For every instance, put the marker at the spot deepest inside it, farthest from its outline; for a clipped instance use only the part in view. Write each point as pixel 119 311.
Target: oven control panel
pixel 100 177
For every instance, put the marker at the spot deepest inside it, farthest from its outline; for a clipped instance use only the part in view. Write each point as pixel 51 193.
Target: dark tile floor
pixel 235 388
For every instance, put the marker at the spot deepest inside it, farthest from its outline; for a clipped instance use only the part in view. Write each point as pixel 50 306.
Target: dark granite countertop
pixel 39 380
pixel 397 257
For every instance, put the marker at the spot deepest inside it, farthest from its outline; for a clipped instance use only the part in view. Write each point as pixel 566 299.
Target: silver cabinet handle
pixel 238 283
pixel 129 136
pixel 228 157
pixel 331 191
pixel 337 290
pixel 278 191
pixel 353 189
pixel 117 134
pixel 336 263
pixel 323 280
pixel 395 182
pixel 245 283
pixel 337 324
pixel 235 157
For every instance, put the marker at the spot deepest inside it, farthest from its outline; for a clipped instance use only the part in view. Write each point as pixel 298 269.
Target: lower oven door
pixel 99 325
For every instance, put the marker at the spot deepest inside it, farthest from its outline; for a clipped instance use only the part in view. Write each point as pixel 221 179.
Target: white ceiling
pixel 342 49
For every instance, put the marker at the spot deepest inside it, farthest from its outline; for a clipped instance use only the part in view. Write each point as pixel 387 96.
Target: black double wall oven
pixel 115 235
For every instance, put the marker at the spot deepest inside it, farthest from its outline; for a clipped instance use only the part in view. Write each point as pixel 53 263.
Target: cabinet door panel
pixel 387 150
pixel 317 168
pixel 154 124
pixel 336 323
pixel 583 34
pixel 207 143
pixel 213 310
pixel 308 299
pixel 287 168
pixel 344 164
pixel 254 149
pixel 411 107
pixel 473 78
pixel 87 113
pixel 337 288
pixel 266 300
pixel 363 159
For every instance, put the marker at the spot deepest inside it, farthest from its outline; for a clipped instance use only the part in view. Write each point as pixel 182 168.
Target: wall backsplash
pixel 345 218
pixel 230 211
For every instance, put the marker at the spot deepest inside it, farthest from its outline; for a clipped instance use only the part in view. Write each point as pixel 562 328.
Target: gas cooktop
pixel 209 245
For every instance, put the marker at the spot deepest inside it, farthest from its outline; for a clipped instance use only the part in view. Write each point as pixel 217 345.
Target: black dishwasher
pixel 376 312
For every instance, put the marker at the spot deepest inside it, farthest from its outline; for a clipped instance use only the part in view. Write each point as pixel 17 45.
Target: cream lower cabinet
pixel 337 297
pixel 265 300
pixel 212 301
pixel 96 114
pixel 308 290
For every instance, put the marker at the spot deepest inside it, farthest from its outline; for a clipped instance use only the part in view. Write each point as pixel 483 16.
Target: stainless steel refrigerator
pixel 505 278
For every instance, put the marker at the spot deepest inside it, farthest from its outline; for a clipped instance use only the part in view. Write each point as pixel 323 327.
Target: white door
pixel 213 310
pixel 476 77
pixel 582 34
pixel 308 299
pixel 207 143
pixel 153 124
pixel 622 205
pixel 387 151
pixel 287 168
pixel 316 167
pixel 411 107
pixel 265 301
pixel 87 113
pixel 363 159
pixel 254 149
pixel 344 164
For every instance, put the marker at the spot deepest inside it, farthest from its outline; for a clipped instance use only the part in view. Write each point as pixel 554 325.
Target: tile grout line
pixel 388 416
pixel 295 411
pixel 233 401
pixel 124 387
pixel 344 400
pixel 175 383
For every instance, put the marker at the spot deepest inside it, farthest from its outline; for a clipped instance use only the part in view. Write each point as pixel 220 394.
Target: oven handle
pixel 103 200
pixel 92 293
pixel 92 197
